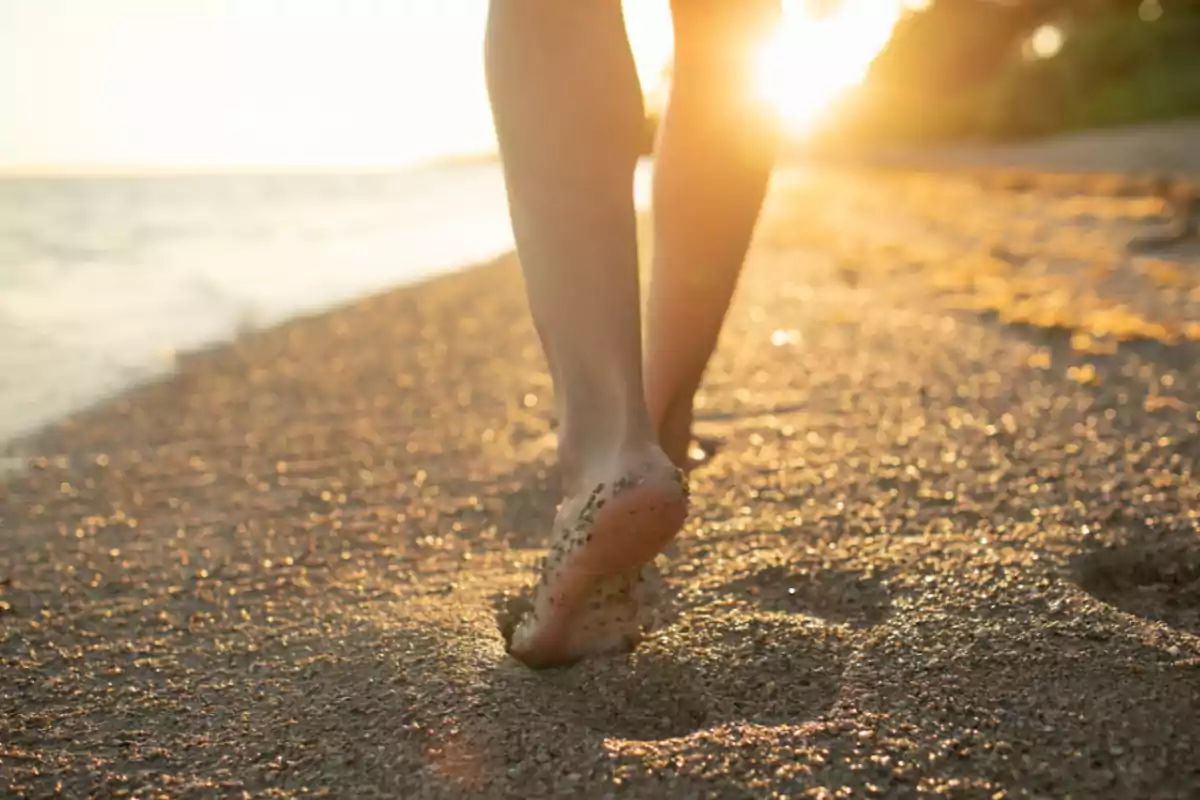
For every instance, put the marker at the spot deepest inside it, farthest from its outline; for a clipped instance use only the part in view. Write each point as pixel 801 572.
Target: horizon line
pixel 200 169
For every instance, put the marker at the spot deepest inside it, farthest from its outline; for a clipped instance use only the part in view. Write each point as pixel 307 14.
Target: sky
pixel 96 84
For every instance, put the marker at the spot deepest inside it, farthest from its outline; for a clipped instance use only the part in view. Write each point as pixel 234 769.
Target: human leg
pixel 715 153
pixel 569 119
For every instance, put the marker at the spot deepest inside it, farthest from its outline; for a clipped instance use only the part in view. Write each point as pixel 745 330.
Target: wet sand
pixel 950 545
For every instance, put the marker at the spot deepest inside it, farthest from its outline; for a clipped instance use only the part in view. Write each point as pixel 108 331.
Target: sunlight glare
pixel 303 84
pixel 812 61
pixel 1046 41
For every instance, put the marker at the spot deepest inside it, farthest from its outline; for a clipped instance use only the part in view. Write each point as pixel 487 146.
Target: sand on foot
pixel 586 601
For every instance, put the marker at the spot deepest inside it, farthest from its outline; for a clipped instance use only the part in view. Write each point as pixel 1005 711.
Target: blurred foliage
pixel 963 69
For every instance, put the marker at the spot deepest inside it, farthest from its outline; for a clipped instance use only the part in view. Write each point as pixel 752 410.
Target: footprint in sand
pixel 1156 580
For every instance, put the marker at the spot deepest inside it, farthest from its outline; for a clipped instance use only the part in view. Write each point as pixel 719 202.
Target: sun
pixel 813 60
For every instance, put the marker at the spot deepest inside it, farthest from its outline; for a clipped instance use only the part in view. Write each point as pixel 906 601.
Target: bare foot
pixel 586 601
pixel 686 450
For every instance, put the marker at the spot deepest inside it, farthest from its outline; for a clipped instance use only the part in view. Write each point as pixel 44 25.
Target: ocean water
pixel 104 281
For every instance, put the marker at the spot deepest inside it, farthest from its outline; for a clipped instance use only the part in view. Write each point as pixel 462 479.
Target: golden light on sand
pixel 813 60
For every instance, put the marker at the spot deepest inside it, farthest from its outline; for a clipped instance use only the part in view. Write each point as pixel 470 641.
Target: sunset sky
pixel 227 83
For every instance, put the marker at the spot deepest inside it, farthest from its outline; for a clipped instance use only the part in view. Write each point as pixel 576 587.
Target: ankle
pixel 673 428
pixel 584 461
pixel 675 436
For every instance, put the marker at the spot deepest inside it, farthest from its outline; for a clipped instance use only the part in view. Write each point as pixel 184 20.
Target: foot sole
pixel 588 597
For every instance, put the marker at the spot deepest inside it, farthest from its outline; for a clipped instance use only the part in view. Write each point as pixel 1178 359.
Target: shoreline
pixel 466 235
pixel 16 448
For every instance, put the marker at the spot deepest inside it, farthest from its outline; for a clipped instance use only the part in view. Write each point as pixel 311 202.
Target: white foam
pixel 103 281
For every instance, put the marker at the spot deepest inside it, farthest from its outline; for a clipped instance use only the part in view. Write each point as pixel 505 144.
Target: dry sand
pixel 950 546
pixel 1171 148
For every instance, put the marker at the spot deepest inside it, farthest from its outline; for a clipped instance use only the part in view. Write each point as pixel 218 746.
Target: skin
pixel 569 119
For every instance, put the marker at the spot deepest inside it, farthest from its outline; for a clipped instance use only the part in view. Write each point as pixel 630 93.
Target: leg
pixel 569 120
pixel 709 182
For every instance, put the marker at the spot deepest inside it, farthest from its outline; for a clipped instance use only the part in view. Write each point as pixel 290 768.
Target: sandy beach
pixel 950 545
pixel 163 264
pixel 1164 148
